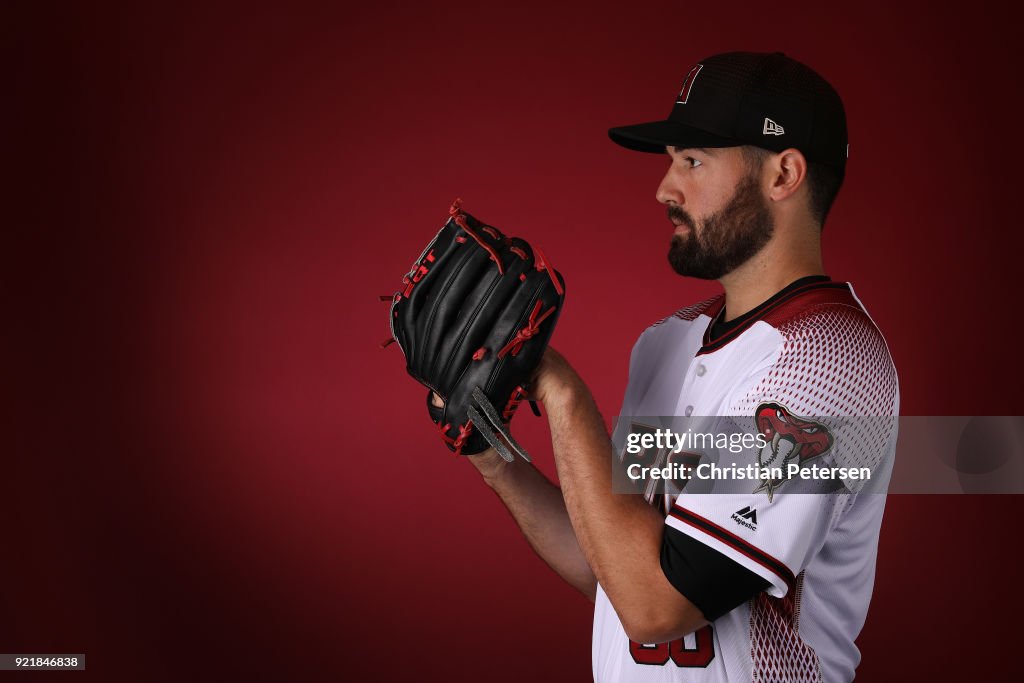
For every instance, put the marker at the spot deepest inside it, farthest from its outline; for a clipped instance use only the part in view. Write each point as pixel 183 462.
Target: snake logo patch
pixel 790 439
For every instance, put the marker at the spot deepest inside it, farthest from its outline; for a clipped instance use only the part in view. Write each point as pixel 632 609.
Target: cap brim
pixel 657 135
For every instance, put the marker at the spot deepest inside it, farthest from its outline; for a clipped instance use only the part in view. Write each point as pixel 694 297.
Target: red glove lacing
pixel 456 213
pixel 528 330
pixel 542 264
pixel 513 403
pixel 464 432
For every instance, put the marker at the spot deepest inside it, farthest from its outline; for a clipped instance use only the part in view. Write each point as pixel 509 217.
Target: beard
pixel 727 239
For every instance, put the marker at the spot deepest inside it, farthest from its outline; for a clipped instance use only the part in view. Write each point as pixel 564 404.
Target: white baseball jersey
pixel 809 369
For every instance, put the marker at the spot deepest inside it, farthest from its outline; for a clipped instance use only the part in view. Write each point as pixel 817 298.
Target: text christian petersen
pixel 666 439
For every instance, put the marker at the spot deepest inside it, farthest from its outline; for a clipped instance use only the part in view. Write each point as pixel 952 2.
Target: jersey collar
pixel 718 333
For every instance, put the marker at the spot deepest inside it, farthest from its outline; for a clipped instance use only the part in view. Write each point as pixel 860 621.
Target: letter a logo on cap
pixel 684 94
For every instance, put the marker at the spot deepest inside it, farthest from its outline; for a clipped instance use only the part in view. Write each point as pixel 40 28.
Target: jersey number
pixel 698 656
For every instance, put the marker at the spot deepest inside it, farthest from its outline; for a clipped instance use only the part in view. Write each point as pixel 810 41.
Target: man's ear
pixel 787 170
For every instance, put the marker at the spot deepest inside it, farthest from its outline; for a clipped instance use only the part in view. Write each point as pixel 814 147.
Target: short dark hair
pixel 822 181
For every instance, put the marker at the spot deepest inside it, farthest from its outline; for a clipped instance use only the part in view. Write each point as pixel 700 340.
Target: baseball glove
pixel 473 318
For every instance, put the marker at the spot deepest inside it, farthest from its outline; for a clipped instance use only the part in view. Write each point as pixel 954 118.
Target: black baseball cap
pixel 766 100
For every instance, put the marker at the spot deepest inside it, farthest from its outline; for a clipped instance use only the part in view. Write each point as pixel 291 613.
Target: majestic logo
pixel 746 517
pixel 790 439
pixel 772 128
pixel 684 94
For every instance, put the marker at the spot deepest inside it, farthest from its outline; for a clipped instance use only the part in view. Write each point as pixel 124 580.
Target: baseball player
pixel 765 579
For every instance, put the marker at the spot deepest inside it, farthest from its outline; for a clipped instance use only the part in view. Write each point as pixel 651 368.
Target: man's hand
pixel 555 381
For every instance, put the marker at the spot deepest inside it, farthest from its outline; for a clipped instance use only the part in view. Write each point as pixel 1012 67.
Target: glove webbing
pixel 491 425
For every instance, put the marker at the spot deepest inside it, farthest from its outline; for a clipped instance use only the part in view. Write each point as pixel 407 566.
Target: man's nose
pixel 668 191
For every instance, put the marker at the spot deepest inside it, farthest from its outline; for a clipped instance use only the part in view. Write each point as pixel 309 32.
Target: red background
pixel 211 468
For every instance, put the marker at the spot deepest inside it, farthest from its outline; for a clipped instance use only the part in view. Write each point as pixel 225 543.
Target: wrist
pixel 565 394
pixel 491 466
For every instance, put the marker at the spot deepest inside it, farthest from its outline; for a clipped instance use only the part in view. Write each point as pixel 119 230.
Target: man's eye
pixel 694 163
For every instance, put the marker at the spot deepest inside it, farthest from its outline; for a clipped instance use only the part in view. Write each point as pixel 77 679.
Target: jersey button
pixel 689 411
pixel 701 370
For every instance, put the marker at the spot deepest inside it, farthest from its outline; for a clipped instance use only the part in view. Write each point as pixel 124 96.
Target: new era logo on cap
pixel 772 128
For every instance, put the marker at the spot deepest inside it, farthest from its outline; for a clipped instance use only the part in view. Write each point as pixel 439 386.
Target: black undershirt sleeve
pixel 706 577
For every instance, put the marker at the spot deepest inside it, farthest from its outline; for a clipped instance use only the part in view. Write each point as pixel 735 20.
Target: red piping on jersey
pixel 704 525
pixel 479 353
pixel 460 219
pixel 518 252
pixel 527 331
